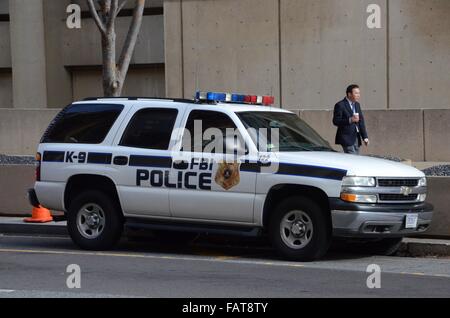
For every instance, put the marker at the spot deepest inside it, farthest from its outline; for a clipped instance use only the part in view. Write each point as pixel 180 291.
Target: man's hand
pixel 367 142
pixel 355 119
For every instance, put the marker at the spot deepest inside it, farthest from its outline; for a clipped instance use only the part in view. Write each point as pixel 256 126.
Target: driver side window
pixel 207 132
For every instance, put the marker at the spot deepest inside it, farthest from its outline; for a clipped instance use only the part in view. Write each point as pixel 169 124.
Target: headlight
pixel 358 182
pixel 358 198
pixel 422 182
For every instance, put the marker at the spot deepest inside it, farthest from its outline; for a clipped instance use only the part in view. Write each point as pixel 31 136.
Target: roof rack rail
pixel 178 100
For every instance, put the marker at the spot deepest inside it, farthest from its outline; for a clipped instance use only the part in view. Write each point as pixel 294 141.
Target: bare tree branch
pixel 96 17
pixel 112 15
pixel 130 42
pixel 121 6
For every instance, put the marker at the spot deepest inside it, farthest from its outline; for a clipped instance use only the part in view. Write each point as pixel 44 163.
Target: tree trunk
pixel 114 73
pixel 111 87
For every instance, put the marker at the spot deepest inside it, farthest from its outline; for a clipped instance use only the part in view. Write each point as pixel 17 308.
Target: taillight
pixel 38 167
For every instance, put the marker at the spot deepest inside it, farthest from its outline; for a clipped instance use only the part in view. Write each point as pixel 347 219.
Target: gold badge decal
pixel 227 175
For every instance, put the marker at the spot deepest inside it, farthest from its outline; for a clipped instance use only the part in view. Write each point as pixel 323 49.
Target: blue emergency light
pixel 234 98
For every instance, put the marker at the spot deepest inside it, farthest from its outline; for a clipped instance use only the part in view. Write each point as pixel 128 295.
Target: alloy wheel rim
pixel 296 229
pixel 91 221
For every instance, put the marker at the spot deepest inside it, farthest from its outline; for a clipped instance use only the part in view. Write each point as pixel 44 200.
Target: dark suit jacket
pixel 347 133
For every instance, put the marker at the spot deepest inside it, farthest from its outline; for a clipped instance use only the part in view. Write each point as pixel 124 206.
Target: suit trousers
pixel 352 150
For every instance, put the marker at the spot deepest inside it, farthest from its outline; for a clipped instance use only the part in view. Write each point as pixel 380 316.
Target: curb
pixel 17 226
pixel 424 248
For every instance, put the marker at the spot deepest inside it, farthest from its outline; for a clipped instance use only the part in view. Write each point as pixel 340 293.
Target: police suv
pixel 160 164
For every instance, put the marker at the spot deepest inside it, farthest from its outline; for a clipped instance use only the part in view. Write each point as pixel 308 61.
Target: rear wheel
pixel 299 230
pixel 94 221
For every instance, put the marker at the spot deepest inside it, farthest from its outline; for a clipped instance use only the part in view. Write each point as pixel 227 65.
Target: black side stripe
pixel 149 161
pixel 311 171
pixel 53 156
pixel 297 170
pixel 99 158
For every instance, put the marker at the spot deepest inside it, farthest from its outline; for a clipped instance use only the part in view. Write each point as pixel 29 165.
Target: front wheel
pixel 299 229
pixel 94 221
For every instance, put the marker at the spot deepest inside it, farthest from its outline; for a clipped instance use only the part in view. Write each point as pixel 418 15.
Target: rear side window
pixel 150 128
pixel 82 124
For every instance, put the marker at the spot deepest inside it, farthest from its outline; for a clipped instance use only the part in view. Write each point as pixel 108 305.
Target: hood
pixel 355 165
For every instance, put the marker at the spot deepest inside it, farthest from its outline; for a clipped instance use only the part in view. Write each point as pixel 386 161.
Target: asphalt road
pixel 36 267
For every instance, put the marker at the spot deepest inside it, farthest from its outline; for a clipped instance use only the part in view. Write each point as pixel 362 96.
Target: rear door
pixel 142 160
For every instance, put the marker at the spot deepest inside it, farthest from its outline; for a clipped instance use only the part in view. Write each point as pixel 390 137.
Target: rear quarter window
pixel 82 123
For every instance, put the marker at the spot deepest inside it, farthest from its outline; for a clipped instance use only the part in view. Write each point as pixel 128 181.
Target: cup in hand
pixel 356 115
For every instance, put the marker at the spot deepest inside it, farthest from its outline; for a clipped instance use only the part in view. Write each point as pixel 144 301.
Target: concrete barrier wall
pixel 15 180
pixel 438 189
pixel 396 133
pixel 419 135
pixel 21 129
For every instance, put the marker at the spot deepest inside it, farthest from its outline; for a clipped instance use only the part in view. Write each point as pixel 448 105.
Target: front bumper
pixel 377 220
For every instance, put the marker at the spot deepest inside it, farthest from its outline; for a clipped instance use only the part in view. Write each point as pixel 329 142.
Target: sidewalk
pixel 411 247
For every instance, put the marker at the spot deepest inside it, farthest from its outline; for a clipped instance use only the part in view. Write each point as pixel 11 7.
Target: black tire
pixel 321 232
pixel 113 221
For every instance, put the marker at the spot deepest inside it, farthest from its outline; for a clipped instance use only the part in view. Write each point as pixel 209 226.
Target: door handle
pixel 120 161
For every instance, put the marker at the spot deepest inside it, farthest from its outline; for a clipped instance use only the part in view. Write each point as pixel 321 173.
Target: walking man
pixel 349 119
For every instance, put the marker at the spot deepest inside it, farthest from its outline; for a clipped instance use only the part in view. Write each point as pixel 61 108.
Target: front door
pixel 211 186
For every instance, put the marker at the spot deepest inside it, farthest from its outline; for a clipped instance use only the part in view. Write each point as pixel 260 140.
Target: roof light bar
pixel 235 98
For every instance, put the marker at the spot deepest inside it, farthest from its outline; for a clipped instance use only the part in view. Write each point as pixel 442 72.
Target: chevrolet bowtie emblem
pixel 405 191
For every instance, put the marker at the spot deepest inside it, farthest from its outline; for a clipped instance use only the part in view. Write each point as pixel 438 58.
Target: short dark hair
pixel 350 88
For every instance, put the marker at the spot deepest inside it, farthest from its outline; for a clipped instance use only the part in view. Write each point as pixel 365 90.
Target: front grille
pixel 397 197
pixel 398 182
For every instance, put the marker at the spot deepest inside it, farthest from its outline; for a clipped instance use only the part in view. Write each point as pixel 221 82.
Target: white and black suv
pixel 160 164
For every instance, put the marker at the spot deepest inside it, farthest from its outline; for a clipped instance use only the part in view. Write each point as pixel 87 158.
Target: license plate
pixel 411 221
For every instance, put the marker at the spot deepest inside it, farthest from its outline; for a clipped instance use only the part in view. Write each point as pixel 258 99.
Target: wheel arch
pixel 282 191
pixel 82 182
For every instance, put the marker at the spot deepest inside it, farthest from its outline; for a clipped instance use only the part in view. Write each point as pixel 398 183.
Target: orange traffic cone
pixel 39 215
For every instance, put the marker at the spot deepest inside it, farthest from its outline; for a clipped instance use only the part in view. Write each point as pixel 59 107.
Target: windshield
pixel 293 133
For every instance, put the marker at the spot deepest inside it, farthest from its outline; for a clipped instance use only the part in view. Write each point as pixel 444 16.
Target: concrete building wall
pixel 43 53
pixel 325 45
pixel 58 78
pixel 236 50
pixel 173 48
pixel 5 45
pixel 307 51
pixel 82 47
pixel 419 54
pixel 139 82
pixel 6 99
pixel 4 6
pixel 28 53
